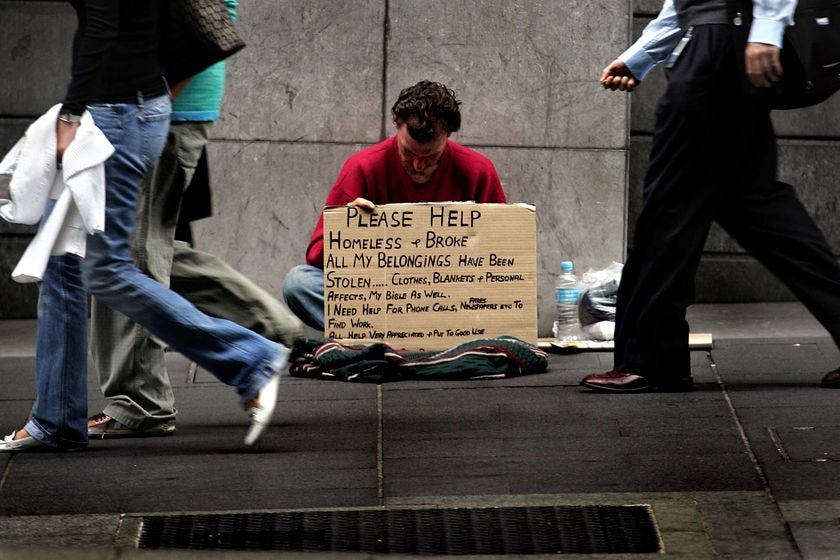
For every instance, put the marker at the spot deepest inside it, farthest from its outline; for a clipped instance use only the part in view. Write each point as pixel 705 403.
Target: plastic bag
pixel 597 301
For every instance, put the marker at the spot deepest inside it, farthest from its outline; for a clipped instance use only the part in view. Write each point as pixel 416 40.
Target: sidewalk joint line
pixel 6 472
pixel 777 442
pixel 741 432
pixel 707 529
pixel 753 457
pixel 380 447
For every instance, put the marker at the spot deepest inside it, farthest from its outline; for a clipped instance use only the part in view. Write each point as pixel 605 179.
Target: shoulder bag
pixel 197 34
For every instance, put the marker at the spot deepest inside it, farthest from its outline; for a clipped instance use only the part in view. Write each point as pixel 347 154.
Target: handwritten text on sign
pixel 430 275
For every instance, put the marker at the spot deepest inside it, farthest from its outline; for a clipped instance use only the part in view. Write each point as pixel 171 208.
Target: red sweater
pixel 377 174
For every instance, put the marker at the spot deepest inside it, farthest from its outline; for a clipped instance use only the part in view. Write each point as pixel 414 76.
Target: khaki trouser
pixel 130 361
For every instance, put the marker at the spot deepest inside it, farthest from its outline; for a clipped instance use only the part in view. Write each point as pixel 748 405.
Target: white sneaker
pixel 9 444
pixel 262 409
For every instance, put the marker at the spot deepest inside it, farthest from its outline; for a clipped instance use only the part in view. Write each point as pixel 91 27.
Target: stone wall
pixel 318 79
pixel 316 83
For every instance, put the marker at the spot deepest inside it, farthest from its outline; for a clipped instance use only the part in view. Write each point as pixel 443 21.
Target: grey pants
pixel 130 361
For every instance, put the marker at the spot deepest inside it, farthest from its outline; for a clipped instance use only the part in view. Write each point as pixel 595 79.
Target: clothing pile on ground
pixel 484 358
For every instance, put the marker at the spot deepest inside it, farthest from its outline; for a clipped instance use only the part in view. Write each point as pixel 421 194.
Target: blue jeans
pixel 120 347
pixel 232 353
pixel 303 290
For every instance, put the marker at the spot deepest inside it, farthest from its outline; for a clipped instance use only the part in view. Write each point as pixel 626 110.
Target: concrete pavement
pixel 745 466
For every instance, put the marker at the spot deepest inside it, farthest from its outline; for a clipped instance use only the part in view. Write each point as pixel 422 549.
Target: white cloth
pixel 78 189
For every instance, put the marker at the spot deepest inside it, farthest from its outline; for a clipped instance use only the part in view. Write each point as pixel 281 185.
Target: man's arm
pixel 658 39
pixel 762 56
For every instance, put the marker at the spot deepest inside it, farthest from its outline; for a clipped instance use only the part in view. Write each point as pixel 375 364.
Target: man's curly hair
pixel 427 108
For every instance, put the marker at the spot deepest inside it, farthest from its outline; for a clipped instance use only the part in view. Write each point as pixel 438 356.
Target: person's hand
pixel 363 203
pixel 616 76
pixel 764 64
pixel 64 134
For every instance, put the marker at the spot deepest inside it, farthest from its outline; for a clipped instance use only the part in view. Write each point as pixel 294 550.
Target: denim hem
pixel 264 372
pixel 40 435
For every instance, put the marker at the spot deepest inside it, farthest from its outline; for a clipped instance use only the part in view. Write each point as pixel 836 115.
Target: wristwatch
pixel 70 118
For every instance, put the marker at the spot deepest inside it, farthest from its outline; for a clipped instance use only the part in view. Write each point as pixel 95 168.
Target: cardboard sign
pixel 428 276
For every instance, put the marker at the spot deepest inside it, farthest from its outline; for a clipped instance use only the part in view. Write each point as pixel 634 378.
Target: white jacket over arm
pixel 78 189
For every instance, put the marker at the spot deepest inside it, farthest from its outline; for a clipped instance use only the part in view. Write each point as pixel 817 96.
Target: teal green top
pixel 201 98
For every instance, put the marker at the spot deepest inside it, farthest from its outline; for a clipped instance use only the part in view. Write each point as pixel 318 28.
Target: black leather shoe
pixel 831 380
pixel 615 381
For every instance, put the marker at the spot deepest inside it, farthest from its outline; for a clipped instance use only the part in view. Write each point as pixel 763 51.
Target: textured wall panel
pixel 518 66
pixel 647 6
pixel 737 279
pixel 579 196
pixel 266 199
pixel 311 71
pixel 34 55
pixel 10 132
pixel 316 83
pixel 812 167
pixel 19 301
pixel 820 121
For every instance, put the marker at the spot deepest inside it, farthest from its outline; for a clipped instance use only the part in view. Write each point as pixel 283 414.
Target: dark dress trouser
pixel 713 159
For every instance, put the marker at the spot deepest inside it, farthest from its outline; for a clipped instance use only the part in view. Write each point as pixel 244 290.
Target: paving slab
pixel 744 466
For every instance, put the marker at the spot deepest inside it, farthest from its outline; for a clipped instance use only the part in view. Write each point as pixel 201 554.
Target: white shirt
pixel 78 189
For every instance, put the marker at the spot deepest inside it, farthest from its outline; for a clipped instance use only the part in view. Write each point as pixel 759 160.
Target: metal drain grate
pixel 513 530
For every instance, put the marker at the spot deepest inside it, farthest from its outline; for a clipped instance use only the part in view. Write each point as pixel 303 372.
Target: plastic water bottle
pixel 567 322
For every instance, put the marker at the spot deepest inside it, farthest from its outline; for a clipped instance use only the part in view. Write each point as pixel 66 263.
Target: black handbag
pixel 197 34
pixel 810 56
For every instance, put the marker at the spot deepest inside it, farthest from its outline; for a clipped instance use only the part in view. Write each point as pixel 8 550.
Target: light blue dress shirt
pixel 770 17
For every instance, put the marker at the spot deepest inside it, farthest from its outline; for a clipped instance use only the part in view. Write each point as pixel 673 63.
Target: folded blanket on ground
pixel 484 358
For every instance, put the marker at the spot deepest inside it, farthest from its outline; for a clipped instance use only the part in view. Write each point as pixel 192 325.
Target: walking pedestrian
pixel 713 159
pixel 130 361
pixel 118 82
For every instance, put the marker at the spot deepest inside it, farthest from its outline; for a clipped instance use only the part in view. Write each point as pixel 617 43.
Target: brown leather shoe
pixel 615 381
pixel 831 380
